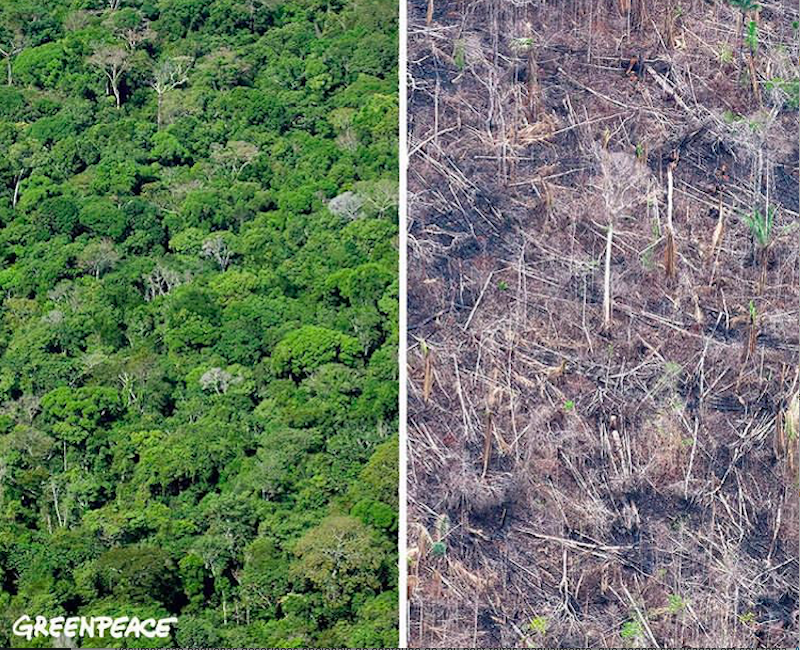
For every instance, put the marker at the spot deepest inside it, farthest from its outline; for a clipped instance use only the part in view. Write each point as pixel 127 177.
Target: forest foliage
pixel 198 377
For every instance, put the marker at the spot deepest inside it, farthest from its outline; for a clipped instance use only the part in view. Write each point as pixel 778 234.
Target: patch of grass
pixel 729 116
pixel 443 526
pixel 522 44
pixel 538 625
pixel 631 630
pixel 791 432
pixel 755 124
pixel 751 38
pixel 744 5
pixel 460 54
pixel 760 225
pixel 789 87
pixel 675 604
pixel 646 256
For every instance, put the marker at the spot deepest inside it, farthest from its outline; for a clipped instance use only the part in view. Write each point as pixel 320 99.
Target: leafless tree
pixel 234 156
pixel 620 186
pixel 114 62
pixel 169 74
pixel 379 196
pixel 77 20
pixel 254 5
pixel 218 249
pixel 64 293
pixel 98 256
pixel 348 205
pixel 9 48
pixel 54 317
pixel 127 381
pixel 24 156
pixel 160 282
pixel 136 35
pixel 219 380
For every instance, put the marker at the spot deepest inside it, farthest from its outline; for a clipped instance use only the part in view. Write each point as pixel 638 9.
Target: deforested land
pixel 198 333
pixel 603 323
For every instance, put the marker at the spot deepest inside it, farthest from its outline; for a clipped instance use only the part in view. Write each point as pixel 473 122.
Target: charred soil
pixel 603 324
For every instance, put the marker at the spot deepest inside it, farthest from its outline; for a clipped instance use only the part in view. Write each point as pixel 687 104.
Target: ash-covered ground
pixel 603 314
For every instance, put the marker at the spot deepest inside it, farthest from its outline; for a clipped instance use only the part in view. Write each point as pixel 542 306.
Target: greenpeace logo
pixel 95 626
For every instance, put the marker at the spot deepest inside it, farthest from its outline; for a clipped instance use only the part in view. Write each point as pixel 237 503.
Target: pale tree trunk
pixel 55 503
pixel 8 54
pixel 669 252
pixel 533 86
pixel 113 76
pixel 607 280
pixel 17 183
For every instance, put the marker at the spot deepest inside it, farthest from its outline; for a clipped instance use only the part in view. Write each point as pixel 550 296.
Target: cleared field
pixel 603 323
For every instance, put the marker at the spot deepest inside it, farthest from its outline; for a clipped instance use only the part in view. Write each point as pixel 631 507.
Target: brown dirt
pixel 640 484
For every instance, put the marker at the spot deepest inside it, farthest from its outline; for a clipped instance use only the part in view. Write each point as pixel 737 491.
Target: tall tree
pixel 114 62
pixel 169 74
pixel 12 36
pixel 24 156
pixel 130 27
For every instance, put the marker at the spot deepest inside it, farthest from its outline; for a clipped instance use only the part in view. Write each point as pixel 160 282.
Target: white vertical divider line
pixel 797 474
pixel 402 533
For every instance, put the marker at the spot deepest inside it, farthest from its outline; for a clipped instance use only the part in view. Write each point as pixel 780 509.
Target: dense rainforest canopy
pixel 198 377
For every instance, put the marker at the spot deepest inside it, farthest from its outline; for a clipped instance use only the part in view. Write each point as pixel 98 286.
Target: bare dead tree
pixel 622 180
pixel 218 249
pixel 347 204
pixel 234 157
pixel 24 157
pixel 134 36
pixel 219 380
pixel 607 311
pixel 169 74
pixel 18 178
pixel 669 250
pixel 379 196
pixel 161 281
pixel 10 48
pixel 98 256
pixel 113 62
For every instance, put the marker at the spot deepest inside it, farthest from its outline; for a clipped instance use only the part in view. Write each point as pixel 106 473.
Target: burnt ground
pixel 578 480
